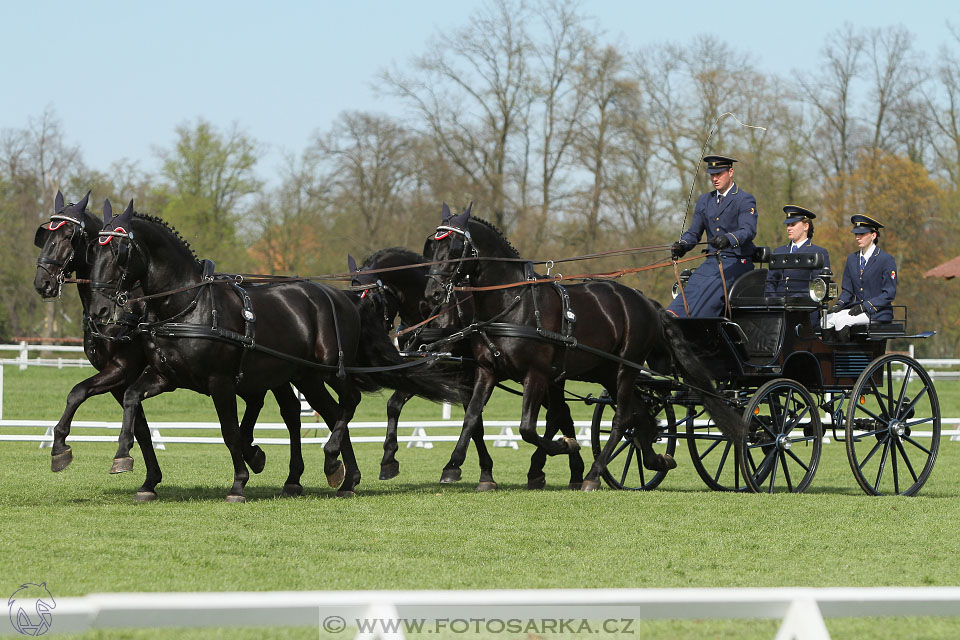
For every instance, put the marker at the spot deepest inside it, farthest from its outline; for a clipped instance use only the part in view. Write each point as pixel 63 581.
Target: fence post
pixel 23 355
pixel 446 411
pixel 1 392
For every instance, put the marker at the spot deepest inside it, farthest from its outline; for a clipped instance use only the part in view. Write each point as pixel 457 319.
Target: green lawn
pixel 81 532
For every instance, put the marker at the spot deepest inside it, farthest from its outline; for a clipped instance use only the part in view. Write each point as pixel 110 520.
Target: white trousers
pixel 843 319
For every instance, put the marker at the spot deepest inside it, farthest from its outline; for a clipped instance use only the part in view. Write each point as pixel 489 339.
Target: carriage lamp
pixel 684 278
pixel 823 287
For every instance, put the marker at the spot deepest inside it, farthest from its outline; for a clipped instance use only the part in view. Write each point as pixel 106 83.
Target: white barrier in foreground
pixel 391 614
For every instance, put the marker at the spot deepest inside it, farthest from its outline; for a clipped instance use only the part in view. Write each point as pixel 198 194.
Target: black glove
pixel 835 308
pixel 720 242
pixel 857 309
pixel 677 249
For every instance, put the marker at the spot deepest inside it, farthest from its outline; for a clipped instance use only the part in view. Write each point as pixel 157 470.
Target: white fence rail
pixel 393 614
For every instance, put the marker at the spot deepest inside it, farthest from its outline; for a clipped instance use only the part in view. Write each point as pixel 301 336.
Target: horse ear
pixel 469 208
pixel 125 217
pixel 107 211
pixel 82 205
pixel 444 212
pixel 58 203
pixel 351 263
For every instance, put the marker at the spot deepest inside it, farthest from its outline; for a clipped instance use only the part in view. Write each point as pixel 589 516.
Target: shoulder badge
pixel 752 211
pixel 893 274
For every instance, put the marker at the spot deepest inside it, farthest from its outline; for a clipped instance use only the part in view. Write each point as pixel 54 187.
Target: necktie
pixel 793 248
pixel 863 263
pixel 719 200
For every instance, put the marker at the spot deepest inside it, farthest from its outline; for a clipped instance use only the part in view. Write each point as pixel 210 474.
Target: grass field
pixel 81 532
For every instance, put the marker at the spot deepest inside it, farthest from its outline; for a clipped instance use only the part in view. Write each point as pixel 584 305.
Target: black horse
pixel 400 291
pixel 115 349
pixel 597 331
pixel 216 338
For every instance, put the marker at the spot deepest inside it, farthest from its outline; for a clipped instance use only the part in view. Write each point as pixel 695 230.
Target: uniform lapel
pixel 726 201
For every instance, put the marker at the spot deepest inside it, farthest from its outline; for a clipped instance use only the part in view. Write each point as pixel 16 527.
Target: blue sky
pixel 122 75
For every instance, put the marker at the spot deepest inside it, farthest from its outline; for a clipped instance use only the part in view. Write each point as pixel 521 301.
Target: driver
pixel 869 280
pixel 729 218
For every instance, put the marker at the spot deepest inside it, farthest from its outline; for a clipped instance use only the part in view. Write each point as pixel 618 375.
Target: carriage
pixel 772 362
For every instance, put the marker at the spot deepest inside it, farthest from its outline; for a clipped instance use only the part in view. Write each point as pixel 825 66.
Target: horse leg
pixel 141 430
pixel 645 435
pixel 110 377
pixel 252 454
pixel 483 384
pixel 147 385
pixel 558 418
pixel 625 396
pixel 339 440
pixel 389 467
pixel 534 392
pixel 224 396
pixel 290 412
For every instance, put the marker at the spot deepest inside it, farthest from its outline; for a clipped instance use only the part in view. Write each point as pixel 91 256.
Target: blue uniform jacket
pixel 876 289
pixel 794 282
pixel 736 218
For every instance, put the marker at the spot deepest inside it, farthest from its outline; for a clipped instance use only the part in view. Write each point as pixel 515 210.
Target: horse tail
pixel 377 350
pixel 695 374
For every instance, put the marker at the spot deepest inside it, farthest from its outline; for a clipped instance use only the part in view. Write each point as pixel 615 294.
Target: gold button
pixel 718 228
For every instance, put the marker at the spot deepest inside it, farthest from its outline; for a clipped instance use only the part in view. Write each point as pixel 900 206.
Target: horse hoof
pixel 235 498
pixel 572 445
pixel 122 465
pixel 61 461
pixel 486 486
pixel 538 482
pixel 575 486
pixel 291 491
pixel 590 485
pixel 668 462
pixel 356 478
pixel 335 479
pixel 346 494
pixel 258 460
pixel 391 470
pixel 450 475
pixel 145 496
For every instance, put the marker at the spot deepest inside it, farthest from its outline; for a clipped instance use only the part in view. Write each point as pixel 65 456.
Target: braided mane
pixel 402 252
pixel 493 228
pixel 170 228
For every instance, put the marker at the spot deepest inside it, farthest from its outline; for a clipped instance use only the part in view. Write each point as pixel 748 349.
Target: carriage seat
pixel 879 330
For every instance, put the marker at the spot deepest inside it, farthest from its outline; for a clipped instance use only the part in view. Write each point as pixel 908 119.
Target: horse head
pixel 116 264
pixel 60 240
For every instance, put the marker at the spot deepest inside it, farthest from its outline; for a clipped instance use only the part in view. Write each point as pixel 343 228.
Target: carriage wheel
pixel 625 469
pixel 784 437
pixel 714 456
pixel 892 409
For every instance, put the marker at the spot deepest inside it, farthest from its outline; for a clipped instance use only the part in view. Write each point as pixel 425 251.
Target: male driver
pixel 728 215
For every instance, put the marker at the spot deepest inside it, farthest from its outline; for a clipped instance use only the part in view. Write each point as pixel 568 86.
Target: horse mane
pixel 169 227
pixel 402 252
pixel 493 228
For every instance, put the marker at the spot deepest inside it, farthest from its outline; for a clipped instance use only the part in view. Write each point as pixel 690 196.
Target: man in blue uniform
pixel 869 280
pixel 728 216
pixel 794 283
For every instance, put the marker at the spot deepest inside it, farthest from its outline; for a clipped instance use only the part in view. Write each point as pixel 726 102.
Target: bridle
pixel 444 231
pixel 122 259
pixel 66 265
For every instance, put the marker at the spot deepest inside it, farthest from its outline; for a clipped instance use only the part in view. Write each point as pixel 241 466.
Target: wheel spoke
pixel 773 472
pixel 906 460
pixel 890 410
pixel 723 460
pixel 619 450
pixel 880 402
pixel 706 452
pixel 917 445
pixel 893 463
pixel 870 455
pixel 798 460
pixel 626 467
pixel 782 424
pixel 903 390
pixel 797 419
pixel 786 471
pixel 913 403
pixel 884 421
pixel 916 422
pixel 882 465
pixel 643 480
